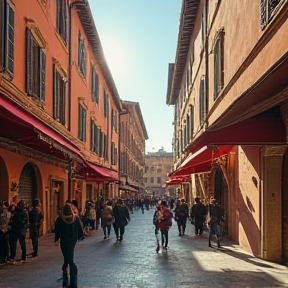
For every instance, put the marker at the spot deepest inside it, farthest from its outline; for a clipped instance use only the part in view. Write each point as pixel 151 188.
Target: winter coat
pixel 121 215
pixel 19 221
pixel 165 222
pixel 106 216
pixel 68 229
pixel 35 218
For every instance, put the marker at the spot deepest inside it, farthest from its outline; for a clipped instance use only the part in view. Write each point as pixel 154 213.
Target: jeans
pixel 34 240
pixel 215 228
pixel 106 230
pixel 14 236
pixel 116 230
pixel 164 237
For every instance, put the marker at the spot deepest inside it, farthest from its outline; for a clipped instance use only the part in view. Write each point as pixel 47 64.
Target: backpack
pixel 107 214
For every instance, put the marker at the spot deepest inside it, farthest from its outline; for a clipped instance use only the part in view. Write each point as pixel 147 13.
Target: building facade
pixel 229 91
pixel 132 150
pixel 59 106
pixel 158 165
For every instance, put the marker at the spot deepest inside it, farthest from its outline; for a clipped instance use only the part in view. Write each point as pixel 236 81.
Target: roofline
pixel 139 113
pixel 87 21
pixel 188 16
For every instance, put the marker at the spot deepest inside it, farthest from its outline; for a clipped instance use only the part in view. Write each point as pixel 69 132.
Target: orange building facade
pixel 229 91
pixel 132 150
pixel 59 106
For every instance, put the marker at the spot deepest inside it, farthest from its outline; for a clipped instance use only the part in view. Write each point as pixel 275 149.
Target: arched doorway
pixel 284 206
pixel 28 184
pixel 4 185
pixel 221 195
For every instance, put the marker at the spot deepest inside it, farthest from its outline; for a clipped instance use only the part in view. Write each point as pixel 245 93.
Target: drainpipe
pixel 70 161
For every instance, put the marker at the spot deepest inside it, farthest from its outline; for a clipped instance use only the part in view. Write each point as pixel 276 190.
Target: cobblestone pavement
pixel 134 263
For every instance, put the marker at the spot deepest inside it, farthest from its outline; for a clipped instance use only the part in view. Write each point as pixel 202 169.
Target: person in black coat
pixel 69 230
pixel 121 216
pixel 35 218
pixel 19 224
pixel 198 213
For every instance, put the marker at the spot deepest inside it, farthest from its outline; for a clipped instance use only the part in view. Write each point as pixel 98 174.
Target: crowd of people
pixel 73 224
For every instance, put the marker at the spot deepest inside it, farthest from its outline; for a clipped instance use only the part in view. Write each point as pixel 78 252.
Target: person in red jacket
pixel 164 223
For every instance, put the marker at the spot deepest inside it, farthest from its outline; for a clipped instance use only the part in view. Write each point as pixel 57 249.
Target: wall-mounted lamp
pixel 14 186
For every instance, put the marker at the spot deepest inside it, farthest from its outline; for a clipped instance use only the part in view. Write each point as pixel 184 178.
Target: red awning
pixel 177 180
pixel 21 126
pixel 201 161
pixel 264 129
pixel 100 173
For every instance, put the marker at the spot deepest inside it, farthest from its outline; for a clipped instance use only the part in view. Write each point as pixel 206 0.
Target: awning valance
pixel 177 180
pixel 264 129
pixel 100 173
pixel 21 126
pixel 201 161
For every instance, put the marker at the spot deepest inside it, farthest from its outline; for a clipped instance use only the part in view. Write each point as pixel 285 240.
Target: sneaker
pixel 11 261
pixel 108 237
pixel 105 238
pixel 23 261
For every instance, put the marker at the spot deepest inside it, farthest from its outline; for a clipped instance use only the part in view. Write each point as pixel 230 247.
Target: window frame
pixel 82 121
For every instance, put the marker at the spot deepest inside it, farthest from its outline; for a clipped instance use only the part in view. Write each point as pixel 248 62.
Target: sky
pixel 139 39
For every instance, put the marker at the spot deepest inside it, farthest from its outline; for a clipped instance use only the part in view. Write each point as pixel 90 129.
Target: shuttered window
pixel 268 9
pixel 202 102
pixel 106 105
pixel 94 85
pixel 82 124
pixel 62 19
pixel 93 136
pixel 219 64
pixel 191 121
pixel 59 97
pixel 81 55
pixel 7 15
pixel 36 68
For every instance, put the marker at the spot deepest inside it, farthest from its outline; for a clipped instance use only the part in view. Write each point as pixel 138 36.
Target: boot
pixel 65 279
pixel 73 276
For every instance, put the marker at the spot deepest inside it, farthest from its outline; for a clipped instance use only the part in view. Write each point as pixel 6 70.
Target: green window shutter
pixel 79 121
pixel 42 74
pixel 85 125
pixel 63 102
pixel 98 141
pixel 29 67
pixel 92 135
pixel 2 35
pixel 9 63
pixel 263 13
pixel 56 94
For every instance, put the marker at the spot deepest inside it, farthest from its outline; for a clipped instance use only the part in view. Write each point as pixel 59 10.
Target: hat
pixel 68 215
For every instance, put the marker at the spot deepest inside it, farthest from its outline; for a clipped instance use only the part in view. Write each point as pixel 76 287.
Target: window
pixel 81 55
pixel 218 64
pixel 94 85
pixel 145 180
pixel 152 180
pixel 159 170
pixel 152 168
pixel 82 124
pixel 113 154
pixel 202 102
pixel 7 15
pixel 94 137
pixel 114 120
pixel 106 105
pixel 268 10
pixel 105 146
pixel 191 121
pixel 59 96
pixel 159 180
pixel 62 19
pixel 36 67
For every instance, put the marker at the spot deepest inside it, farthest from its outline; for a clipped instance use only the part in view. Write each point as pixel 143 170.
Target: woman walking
pixel 106 219
pixel 164 224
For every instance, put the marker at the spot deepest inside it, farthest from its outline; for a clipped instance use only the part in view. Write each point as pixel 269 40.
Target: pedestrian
pixel 216 214
pixel 164 224
pixel 69 230
pixel 156 219
pixel 36 218
pixel 5 216
pixel 121 216
pixel 90 215
pixel 106 219
pixel 19 224
pixel 181 215
pixel 198 213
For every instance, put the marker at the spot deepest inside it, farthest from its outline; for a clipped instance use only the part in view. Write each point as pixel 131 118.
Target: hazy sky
pixel 139 39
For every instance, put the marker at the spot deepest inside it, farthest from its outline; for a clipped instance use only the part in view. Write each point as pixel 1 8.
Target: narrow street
pixel 189 262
